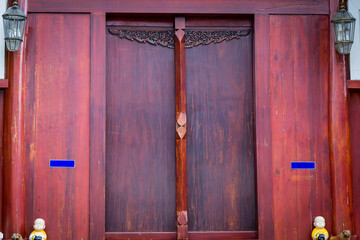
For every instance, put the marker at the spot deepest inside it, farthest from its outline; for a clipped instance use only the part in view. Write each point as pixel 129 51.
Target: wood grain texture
pixel 14 161
pixel 263 127
pixel 183 6
pixel 1 153
pixel 57 123
pixel 249 235
pixel 353 84
pixel 97 126
pixel 299 68
pixel 181 168
pixel 4 83
pixel 354 115
pixel 140 137
pixel 339 138
pixel 221 188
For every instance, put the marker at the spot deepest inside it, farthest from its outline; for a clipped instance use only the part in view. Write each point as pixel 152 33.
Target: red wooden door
pixel 194 76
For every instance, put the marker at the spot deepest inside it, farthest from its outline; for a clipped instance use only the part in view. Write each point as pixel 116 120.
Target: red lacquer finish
pixel 299 123
pixel 14 162
pixel 184 6
pixel 97 125
pixel 57 124
pixel 263 127
pixel 355 151
pixel 339 138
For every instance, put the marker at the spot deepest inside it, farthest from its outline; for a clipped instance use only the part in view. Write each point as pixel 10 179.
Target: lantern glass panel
pixel 344 29
pixel 14 21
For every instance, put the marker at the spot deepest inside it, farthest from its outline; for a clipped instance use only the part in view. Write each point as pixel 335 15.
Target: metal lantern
pixel 14 25
pixel 344 29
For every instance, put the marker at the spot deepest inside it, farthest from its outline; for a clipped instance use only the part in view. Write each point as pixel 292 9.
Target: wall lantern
pixel 344 29
pixel 14 25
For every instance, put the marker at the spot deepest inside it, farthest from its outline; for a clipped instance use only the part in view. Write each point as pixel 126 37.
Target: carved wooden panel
pixel 193 38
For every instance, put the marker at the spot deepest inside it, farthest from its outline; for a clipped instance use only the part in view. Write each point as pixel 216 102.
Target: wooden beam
pixel 263 127
pixel 180 86
pixel 243 235
pixel 14 147
pixel 353 84
pixel 4 83
pixel 339 134
pixel 98 121
pixel 184 6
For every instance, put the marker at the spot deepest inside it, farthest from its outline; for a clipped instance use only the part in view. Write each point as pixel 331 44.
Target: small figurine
pixel 1 236
pixel 319 231
pixel 39 226
pixel 344 235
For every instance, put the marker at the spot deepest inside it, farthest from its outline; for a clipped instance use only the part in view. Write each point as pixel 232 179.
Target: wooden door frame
pixel 14 151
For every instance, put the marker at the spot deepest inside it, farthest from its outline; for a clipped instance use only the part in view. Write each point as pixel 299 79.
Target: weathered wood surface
pixel 354 114
pixel 56 109
pixel 245 235
pixel 221 178
pixel 339 138
pixel 183 6
pixel 13 156
pixel 97 126
pixel 263 127
pixel 299 72
pixel 1 153
pixel 181 118
pixel 140 137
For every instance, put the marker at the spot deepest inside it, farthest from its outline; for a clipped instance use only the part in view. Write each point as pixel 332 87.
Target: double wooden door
pixel 180 128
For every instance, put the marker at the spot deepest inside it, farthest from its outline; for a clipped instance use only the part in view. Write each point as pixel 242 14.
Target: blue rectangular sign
pixel 62 163
pixel 302 165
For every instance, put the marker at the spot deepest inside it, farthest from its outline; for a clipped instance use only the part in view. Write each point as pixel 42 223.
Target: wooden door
pixel 180 129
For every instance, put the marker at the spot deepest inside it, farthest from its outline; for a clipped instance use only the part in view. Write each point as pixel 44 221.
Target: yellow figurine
pixel 39 226
pixel 319 231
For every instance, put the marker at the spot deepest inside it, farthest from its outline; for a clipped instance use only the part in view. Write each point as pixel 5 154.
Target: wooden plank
pixel 1 152
pixel 339 131
pixel 4 83
pixel 141 236
pixel 97 125
pixel 299 123
pixel 245 235
pixel 183 6
pixel 263 127
pixel 57 123
pixel 140 137
pixel 180 89
pixel 354 115
pixel 221 141
pixel 14 163
pixel 353 84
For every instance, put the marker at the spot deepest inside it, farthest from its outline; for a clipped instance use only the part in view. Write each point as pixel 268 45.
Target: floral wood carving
pixel 196 38
pixel 193 38
pixel 163 38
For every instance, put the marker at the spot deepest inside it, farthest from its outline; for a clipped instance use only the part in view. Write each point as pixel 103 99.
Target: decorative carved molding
pixel 163 38
pixel 182 225
pixel 181 124
pixel 193 38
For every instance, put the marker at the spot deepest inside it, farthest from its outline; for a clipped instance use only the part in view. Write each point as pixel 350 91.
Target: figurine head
pixel 319 222
pixel 39 224
pixel 346 234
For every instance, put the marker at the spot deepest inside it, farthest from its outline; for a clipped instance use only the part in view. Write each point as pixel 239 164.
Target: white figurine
pixel 39 226
pixel 1 236
pixel 319 231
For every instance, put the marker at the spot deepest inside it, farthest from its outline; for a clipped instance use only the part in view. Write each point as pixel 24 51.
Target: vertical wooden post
pixel 263 127
pixel 97 131
pixel 180 85
pixel 14 150
pixel 339 133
